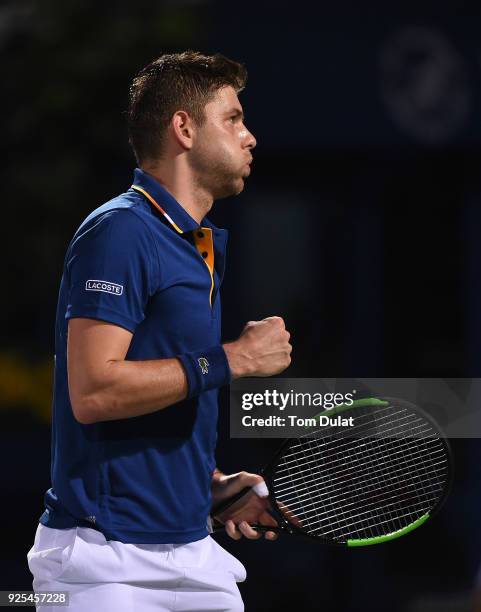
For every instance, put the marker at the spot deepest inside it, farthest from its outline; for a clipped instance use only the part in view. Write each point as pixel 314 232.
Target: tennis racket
pixel 355 486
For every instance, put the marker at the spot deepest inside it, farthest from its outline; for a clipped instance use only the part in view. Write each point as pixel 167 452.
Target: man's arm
pixel 104 386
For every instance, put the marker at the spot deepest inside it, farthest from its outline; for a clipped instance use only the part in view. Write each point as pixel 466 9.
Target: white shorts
pixel 114 577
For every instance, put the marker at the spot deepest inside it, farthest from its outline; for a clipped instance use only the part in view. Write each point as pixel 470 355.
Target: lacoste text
pixel 105 286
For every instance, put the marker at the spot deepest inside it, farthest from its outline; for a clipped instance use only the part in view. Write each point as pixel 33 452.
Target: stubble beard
pixel 216 174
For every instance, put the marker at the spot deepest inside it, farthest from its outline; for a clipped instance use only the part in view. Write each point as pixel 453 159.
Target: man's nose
pixel 251 142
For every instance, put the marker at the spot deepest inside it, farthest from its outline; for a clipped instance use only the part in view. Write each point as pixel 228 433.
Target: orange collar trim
pixel 159 208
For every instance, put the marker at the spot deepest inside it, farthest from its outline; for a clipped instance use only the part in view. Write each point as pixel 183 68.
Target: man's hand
pixel 263 349
pixel 249 509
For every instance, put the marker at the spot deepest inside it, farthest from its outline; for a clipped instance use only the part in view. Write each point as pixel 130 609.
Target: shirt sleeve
pixel 111 266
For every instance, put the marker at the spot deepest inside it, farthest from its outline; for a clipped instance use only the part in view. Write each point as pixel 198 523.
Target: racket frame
pixel 285 526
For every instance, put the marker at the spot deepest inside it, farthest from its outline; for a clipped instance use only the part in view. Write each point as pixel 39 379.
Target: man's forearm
pixel 135 388
pixel 124 389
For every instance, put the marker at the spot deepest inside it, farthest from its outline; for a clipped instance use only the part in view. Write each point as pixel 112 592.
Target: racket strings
pixel 370 511
pixel 401 426
pixel 296 496
pixel 390 502
pixel 341 465
pixel 340 486
pixel 338 461
pixel 305 503
pixel 359 479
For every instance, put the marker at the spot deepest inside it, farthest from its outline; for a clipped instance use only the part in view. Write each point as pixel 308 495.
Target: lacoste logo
pixel 204 365
pixel 105 286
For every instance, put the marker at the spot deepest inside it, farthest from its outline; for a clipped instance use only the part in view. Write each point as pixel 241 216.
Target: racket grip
pixel 259 489
pixel 227 503
pixel 218 527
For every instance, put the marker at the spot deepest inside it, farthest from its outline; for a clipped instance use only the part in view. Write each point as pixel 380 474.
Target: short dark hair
pixel 178 81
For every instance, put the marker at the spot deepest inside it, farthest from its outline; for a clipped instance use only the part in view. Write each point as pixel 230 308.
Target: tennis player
pixel 139 363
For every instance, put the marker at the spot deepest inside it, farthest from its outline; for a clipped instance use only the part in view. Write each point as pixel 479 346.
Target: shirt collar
pixel 164 202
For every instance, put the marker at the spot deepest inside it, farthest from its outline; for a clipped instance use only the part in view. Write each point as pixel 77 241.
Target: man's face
pixel 221 153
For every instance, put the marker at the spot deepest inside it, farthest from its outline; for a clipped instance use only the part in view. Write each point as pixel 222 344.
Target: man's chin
pixel 241 186
pixel 232 190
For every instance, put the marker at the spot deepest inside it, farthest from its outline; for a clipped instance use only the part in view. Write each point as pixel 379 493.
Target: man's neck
pixel 181 185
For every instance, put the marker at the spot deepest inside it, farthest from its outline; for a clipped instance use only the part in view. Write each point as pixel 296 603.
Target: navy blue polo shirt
pixel 141 262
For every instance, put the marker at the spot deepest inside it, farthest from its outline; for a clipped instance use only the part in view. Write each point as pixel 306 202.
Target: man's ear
pixel 182 129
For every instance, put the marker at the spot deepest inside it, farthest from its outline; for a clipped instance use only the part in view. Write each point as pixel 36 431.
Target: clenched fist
pixel 263 349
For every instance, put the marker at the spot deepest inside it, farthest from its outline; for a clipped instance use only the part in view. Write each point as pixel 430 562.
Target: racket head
pixel 374 483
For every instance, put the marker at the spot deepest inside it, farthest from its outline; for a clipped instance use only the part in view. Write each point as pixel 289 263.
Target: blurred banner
pixel 349 78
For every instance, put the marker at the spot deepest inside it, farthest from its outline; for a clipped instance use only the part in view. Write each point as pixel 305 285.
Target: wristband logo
pixel 204 365
pixel 104 286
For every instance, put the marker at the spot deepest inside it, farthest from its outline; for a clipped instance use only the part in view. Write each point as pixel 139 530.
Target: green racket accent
pixel 365 401
pixel 390 536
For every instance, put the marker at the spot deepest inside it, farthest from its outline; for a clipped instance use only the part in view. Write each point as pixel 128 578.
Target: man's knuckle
pixel 275 321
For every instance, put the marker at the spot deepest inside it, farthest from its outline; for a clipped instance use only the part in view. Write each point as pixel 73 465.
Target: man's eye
pixel 233 118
